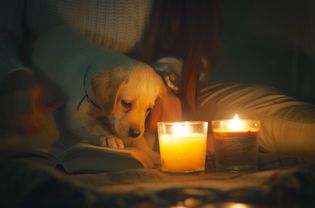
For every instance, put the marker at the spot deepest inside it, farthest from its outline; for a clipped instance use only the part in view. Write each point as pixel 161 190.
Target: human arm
pixel 19 91
pixel 11 36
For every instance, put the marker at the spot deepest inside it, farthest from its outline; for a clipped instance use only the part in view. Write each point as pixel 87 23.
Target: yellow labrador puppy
pixel 114 114
pixel 109 95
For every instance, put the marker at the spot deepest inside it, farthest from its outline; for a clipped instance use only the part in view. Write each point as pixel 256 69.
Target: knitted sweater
pixel 113 24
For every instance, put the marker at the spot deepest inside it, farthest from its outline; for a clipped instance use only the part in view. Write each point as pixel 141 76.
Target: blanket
pixel 279 181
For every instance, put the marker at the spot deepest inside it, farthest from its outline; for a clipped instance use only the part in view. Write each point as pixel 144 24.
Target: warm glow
pixel 235 123
pixel 182 146
pixel 236 205
pixel 179 129
pixel 235 145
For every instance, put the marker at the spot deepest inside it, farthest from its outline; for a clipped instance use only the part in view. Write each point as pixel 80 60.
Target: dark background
pixel 269 42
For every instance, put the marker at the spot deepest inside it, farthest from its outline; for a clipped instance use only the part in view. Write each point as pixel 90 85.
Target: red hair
pixel 188 29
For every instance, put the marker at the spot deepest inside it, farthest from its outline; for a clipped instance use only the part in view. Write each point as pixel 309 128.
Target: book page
pixel 87 158
pixel 40 155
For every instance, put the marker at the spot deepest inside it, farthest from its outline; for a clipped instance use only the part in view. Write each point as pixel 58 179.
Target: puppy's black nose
pixel 134 132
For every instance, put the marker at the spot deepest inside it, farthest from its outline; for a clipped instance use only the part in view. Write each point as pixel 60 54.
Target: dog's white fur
pixel 138 86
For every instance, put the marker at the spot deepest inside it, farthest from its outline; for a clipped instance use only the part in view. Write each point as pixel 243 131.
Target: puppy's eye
pixel 126 104
pixel 148 111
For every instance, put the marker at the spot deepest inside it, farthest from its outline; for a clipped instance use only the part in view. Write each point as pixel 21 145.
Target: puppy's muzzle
pixel 134 132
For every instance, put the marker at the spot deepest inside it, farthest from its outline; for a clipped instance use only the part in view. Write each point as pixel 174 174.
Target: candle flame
pixel 235 123
pixel 181 129
pixel 236 117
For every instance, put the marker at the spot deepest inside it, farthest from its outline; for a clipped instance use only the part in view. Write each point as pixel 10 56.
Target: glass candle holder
pixel 235 144
pixel 183 146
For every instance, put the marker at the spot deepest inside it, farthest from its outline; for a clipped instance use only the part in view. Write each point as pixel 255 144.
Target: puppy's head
pixel 127 97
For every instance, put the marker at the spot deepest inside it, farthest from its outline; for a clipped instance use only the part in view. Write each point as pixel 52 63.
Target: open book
pixel 80 158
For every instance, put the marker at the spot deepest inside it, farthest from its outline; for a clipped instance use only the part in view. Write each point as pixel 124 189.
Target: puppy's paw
pixel 111 142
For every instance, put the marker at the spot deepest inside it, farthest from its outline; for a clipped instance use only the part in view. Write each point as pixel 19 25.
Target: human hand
pixel 143 152
pixel 168 108
pixel 147 160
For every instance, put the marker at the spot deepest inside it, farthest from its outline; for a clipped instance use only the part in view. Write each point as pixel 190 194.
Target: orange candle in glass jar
pixel 183 146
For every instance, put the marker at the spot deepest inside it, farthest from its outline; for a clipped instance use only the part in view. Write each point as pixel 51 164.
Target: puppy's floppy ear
pixel 167 107
pixel 105 87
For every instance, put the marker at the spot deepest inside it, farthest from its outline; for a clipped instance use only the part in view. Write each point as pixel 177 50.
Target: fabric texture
pixel 117 24
pixel 32 185
pixel 287 125
pixel 114 24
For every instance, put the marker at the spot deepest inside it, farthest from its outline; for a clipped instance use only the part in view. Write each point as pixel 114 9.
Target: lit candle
pixel 235 144
pixel 182 146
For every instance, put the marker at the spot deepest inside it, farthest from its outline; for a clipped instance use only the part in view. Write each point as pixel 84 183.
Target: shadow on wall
pixel 269 42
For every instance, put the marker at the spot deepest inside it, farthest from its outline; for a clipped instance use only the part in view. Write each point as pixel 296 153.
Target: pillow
pixel 287 125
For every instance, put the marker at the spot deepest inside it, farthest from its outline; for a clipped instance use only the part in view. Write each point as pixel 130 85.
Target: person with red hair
pixel 179 38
